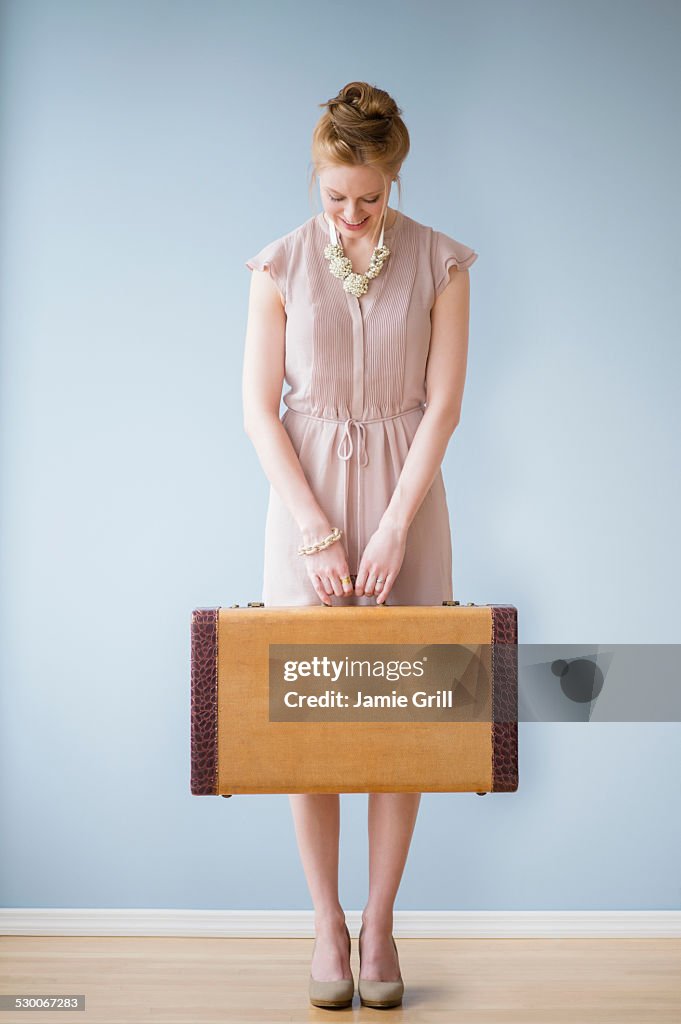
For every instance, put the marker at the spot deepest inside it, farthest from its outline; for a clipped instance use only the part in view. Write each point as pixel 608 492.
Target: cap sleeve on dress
pixel 272 256
pixel 448 252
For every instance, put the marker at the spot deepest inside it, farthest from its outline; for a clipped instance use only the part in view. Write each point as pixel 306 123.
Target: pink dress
pixel 356 369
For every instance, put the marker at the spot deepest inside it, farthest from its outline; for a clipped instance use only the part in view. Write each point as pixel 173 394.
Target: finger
pixel 347 585
pixel 323 597
pixel 328 586
pixel 386 587
pixel 336 584
pixel 371 581
pixel 361 580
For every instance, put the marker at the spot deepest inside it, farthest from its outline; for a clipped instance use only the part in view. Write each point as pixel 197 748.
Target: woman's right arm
pixel 263 378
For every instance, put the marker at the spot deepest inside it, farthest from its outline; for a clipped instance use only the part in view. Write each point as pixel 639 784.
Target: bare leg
pixel 317 822
pixel 392 817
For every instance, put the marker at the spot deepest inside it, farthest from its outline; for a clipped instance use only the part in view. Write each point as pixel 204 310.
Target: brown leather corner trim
pixel 204 701
pixel 505 698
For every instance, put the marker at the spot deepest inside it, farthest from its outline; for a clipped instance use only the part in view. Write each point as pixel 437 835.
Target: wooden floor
pixel 477 981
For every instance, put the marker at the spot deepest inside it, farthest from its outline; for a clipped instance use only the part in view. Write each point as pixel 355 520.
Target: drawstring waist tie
pixel 345 451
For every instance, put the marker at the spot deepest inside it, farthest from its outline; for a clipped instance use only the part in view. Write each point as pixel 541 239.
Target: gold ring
pixel 345 579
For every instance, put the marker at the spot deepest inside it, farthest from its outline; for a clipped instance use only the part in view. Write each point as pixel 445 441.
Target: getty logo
pixel 333 669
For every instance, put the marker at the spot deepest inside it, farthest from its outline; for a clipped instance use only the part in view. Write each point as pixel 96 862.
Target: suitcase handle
pixel 260 604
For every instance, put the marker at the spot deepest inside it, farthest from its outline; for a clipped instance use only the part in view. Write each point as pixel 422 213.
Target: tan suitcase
pixel 254 730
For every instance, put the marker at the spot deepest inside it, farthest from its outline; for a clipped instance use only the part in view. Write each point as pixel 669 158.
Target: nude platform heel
pixel 333 994
pixel 379 994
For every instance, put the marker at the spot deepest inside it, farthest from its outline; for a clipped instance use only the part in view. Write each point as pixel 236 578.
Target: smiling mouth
pixel 351 225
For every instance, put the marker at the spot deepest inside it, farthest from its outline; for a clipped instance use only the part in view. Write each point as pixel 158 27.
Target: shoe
pixel 379 994
pixel 333 994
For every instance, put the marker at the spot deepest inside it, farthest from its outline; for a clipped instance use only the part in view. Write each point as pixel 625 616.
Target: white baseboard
pixel 408 924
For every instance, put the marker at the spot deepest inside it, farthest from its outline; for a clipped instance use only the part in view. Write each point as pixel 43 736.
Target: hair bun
pixel 359 102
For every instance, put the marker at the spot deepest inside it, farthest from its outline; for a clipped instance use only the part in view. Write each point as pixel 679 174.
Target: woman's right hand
pixel 326 568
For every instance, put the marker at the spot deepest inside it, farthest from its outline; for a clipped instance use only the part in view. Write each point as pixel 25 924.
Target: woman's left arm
pixel 445 379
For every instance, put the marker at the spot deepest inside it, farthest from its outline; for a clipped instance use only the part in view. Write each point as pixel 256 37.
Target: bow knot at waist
pixel 346 447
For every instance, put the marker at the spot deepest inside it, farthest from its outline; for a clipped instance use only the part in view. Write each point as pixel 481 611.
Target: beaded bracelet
pixel 310 549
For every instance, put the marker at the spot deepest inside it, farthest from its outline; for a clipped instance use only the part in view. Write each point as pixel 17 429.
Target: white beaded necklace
pixel 340 265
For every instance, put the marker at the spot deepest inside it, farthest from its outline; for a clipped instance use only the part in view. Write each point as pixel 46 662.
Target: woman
pixel 364 312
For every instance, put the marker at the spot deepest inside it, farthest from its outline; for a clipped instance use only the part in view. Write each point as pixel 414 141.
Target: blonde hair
pixel 362 125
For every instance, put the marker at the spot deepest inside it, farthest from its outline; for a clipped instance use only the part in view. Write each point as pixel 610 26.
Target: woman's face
pixel 353 196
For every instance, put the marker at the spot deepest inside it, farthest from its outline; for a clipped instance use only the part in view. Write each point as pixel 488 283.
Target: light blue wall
pixel 148 149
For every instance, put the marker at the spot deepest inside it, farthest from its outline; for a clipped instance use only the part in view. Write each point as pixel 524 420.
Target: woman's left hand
pixel 381 559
